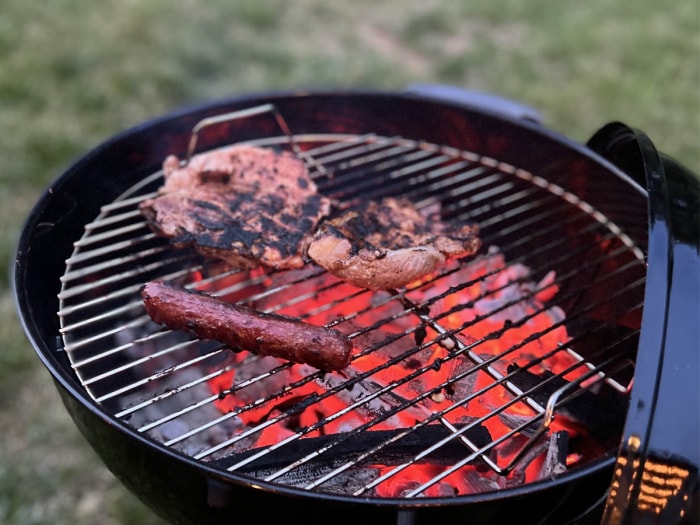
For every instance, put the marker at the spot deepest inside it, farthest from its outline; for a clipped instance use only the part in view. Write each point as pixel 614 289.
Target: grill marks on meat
pixel 246 205
pixel 238 326
pixel 388 244
pixel 251 206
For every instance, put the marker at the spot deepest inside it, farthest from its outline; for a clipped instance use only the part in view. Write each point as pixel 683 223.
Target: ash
pixel 176 410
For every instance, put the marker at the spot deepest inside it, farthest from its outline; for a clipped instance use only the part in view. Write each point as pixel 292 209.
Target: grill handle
pixel 656 477
pixel 466 97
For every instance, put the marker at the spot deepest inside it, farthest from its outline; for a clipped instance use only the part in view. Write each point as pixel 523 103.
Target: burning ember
pixel 447 392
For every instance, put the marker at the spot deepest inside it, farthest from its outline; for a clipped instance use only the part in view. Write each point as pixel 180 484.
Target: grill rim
pixel 49 349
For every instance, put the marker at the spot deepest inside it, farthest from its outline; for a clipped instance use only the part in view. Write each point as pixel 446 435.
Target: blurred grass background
pixel 74 73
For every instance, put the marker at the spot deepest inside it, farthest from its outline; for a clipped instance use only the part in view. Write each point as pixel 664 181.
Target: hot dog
pixel 245 328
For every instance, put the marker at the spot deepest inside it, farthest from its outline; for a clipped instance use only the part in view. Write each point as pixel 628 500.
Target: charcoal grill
pixel 443 383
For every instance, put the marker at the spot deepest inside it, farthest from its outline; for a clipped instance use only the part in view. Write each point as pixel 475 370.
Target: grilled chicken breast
pixel 387 244
pixel 243 204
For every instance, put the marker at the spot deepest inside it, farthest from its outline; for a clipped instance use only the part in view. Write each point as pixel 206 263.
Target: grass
pixel 73 73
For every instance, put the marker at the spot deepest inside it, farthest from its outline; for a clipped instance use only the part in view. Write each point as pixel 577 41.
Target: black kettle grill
pixel 615 220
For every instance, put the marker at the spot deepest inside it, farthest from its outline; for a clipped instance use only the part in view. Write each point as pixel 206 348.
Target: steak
pixel 387 244
pixel 243 204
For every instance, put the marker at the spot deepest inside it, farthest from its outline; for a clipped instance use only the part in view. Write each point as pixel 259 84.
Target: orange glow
pixel 383 332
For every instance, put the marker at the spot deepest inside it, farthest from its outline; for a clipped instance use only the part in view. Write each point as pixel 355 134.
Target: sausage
pixel 239 326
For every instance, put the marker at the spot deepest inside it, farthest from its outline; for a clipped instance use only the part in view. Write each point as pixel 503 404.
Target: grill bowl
pixel 182 489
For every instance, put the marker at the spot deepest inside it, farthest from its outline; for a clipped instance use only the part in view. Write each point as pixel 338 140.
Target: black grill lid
pixel 657 474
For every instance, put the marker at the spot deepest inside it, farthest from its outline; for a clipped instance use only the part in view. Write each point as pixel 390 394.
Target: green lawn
pixel 74 73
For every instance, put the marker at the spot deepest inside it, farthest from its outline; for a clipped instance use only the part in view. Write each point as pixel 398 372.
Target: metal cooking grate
pixel 441 374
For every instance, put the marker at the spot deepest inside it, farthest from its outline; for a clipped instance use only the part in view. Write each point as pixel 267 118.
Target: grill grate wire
pixel 516 210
